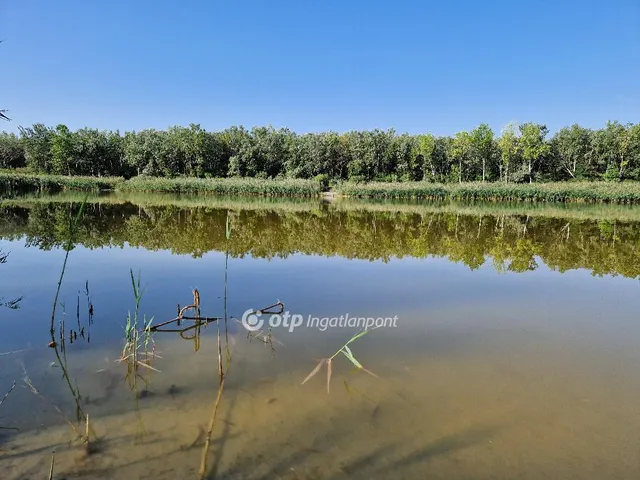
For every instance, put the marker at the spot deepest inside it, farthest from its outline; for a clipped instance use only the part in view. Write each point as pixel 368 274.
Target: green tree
pixel 483 147
pixel 534 146
pixel 37 147
pixel 462 150
pixel 425 150
pixel 572 147
pixel 11 151
pixel 509 147
pixel 63 151
pixel 616 148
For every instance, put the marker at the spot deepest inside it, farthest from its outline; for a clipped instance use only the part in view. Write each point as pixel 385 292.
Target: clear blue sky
pixel 415 66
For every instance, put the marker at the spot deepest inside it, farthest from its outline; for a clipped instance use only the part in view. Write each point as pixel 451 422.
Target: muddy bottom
pixel 466 406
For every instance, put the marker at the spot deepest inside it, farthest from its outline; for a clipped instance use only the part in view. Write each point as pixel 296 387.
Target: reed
pixel 606 192
pixel 222 372
pixel 15 181
pixel 6 395
pixel 223 186
pixel 347 352
pixel 13 304
pixel 139 348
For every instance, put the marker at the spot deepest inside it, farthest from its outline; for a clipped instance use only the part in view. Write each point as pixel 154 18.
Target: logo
pixel 251 320
pixel 254 320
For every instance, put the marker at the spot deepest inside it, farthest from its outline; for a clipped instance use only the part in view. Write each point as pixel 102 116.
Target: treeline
pixel 514 243
pixel 521 153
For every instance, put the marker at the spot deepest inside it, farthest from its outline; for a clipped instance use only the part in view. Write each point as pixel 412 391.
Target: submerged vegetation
pixel 328 361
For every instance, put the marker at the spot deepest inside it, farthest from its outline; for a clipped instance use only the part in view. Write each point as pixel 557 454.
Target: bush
pixel 323 180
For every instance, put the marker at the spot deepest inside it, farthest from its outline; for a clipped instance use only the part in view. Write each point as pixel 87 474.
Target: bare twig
pixel 53 461
pixel 8 393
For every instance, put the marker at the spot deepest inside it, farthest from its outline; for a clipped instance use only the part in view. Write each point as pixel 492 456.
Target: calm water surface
pixel 514 356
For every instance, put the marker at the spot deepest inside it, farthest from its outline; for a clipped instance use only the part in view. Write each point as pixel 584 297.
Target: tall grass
pixel 626 192
pixel 42 182
pixel 223 186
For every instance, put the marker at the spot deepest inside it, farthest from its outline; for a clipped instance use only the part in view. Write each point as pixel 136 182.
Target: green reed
pixel 607 192
pixel 138 349
pixel 223 186
pixel 347 352
pixel 44 182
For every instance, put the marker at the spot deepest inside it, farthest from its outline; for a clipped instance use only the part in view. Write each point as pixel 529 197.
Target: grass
pixel 626 192
pixel 42 182
pixel 223 186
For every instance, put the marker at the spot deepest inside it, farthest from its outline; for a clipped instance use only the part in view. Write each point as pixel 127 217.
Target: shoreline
pixel 627 192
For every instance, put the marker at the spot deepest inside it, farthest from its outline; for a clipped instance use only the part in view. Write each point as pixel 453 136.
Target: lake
pixel 513 352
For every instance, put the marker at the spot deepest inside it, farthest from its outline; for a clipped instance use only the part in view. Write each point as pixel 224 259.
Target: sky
pixel 415 66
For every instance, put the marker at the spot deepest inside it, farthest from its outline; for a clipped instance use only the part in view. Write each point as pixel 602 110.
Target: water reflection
pixel 510 242
pixel 500 366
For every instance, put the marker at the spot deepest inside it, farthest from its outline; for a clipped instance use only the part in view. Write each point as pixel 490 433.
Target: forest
pixel 520 153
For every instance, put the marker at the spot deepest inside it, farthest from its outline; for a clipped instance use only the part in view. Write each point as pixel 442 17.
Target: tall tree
pixel 425 150
pixel 616 148
pixel 462 149
pixel 509 147
pixel 483 147
pixel 37 147
pixel 11 151
pixel 63 154
pixel 534 146
pixel 572 147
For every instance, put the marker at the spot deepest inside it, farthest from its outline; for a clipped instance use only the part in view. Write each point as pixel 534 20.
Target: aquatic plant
pixel 6 395
pixel 347 352
pixel 18 181
pixel 607 192
pixel 13 304
pixel 222 372
pixel 223 186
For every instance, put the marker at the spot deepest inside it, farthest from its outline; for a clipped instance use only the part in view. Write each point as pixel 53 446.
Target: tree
pixel 11 151
pixel 425 150
pixel 533 144
pixel 63 154
pixel 572 147
pixel 617 149
pixel 509 147
pixel 462 151
pixel 37 147
pixel 483 147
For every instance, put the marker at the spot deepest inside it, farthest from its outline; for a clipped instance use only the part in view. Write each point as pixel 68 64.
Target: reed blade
pixel 314 371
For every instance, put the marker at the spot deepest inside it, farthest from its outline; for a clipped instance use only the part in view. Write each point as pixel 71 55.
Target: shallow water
pixel 514 355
